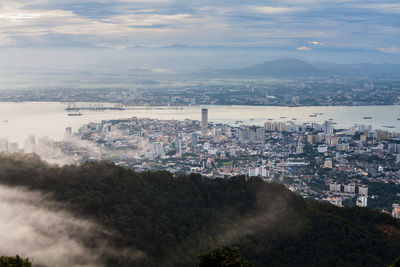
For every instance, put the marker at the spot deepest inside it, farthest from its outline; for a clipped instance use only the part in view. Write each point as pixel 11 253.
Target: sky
pixel 336 30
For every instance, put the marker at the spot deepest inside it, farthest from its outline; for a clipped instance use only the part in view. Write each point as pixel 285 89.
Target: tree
pixel 396 262
pixel 17 261
pixel 221 257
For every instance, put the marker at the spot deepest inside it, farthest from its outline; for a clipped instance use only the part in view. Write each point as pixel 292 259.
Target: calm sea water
pixel 19 120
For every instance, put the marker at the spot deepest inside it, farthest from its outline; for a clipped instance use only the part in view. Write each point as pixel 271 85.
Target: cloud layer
pixel 350 24
pixel 34 227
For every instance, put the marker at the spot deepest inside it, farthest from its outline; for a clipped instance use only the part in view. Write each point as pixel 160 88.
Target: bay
pixel 19 120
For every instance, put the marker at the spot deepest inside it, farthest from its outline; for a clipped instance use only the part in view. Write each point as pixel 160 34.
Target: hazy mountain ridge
pixel 367 68
pixel 289 67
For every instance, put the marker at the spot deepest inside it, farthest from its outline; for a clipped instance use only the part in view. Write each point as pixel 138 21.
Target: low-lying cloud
pixel 33 226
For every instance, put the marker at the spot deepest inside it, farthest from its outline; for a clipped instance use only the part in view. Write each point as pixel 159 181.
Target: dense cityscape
pixel 314 160
pixel 314 91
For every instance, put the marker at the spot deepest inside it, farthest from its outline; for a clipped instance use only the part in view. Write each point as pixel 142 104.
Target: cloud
pixel 391 50
pixel 159 23
pixel 314 43
pixel 272 10
pixel 34 227
pixel 304 48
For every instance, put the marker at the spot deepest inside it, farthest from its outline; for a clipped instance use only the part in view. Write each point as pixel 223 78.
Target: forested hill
pixel 173 218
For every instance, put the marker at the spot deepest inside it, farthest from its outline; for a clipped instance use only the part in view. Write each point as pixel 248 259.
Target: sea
pixel 19 120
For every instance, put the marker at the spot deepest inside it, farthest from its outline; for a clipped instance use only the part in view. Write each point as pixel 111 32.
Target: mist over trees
pixel 170 219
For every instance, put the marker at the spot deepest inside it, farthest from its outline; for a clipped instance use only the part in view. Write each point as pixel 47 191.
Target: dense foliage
pixel 17 261
pixel 384 195
pixel 174 218
pixel 224 256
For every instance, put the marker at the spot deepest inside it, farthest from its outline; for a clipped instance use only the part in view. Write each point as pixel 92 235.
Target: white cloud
pixel 272 10
pixel 391 50
pixel 34 227
pixel 158 23
pixel 314 43
pixel 304 48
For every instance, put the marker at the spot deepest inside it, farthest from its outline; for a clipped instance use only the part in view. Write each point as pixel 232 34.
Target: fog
pixel 33 226
pixel 83 67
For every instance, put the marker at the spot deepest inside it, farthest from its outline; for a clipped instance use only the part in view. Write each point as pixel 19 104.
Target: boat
pixel 293 119
pixel 367 118
pixel 270 119
pixel 331 119
pixel 389 126
pixel 77 113
pixel 398 119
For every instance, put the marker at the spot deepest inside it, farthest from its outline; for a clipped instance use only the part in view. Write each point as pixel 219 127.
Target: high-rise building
pixel 4 145
pixel 362 201
pixel 335 201
pixel 396 211
pixel 335 187
pixel 350 188
pixel 158 149
pixel 260 133
pixel 14 147
pixel 193 141
pixel 327 127
pixel 204 122
pixel 363 190
pixel 30 145
pixel 68 134
pixel 328 163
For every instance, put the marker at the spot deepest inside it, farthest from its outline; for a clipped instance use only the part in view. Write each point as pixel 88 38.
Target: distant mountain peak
pixel 279 67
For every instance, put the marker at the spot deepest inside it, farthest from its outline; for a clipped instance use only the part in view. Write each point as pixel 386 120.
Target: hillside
pixel 173 218
pixel 285 67
pixel 295 68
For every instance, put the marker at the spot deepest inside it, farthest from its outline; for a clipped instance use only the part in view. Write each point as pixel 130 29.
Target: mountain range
pixel 289 67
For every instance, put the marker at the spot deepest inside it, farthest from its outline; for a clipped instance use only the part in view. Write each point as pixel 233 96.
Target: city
pixel 314 160
pixel 313 91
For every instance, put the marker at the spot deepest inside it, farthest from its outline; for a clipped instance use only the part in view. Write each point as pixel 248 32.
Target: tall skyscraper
pixel 204 122
pixel 327 127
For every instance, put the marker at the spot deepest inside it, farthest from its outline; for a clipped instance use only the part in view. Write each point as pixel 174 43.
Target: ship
pixel 77 113
pixel 367 118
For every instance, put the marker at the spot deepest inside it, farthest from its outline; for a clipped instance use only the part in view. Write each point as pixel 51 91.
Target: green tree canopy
pixel 221 257
pixel 17 261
